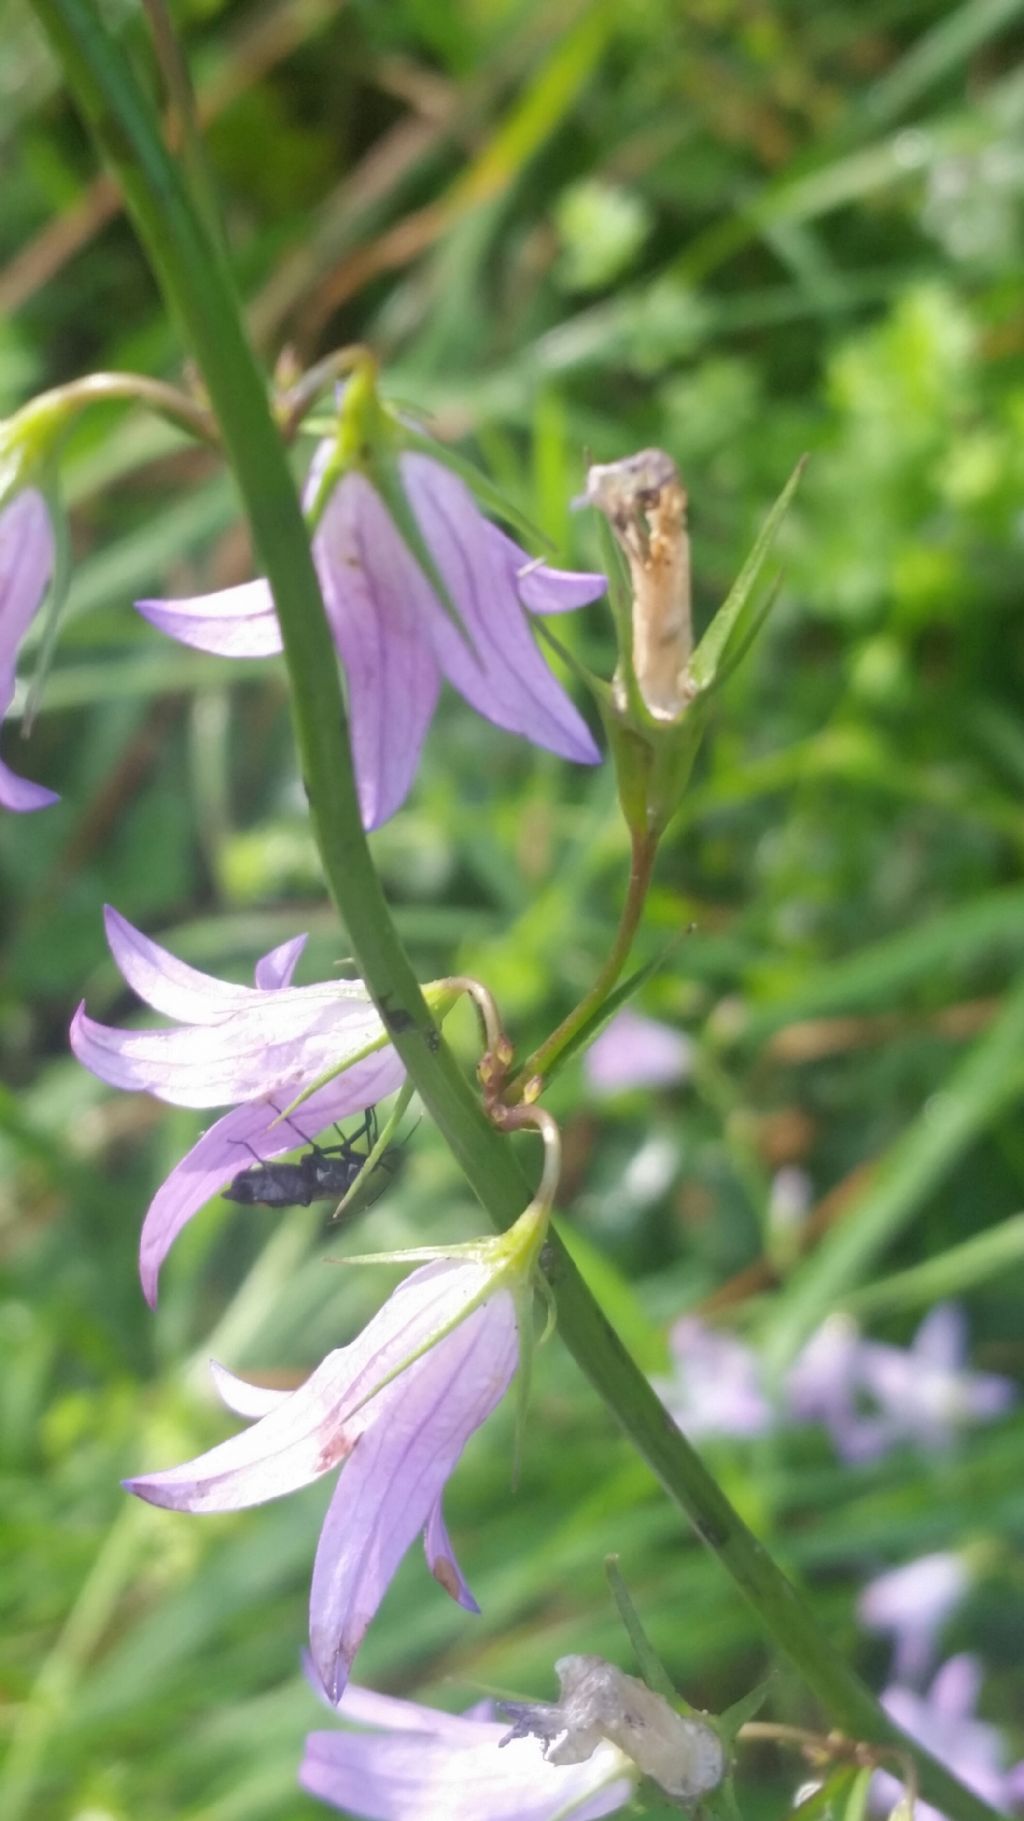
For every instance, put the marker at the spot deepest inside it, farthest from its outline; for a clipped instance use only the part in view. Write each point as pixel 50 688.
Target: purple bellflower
pixel 912 1603
pixel 420 1765
pixel 873 1397
pixel 397 1406
pixel 252 1047
pixel 637 1052
pixel 926 1393
pixel 26 566
pixel 943 1721
pixel 394 636
pixel 716 1386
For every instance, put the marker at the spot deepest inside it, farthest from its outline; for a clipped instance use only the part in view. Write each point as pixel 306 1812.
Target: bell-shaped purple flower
pixel 253 1047
pixel 415 1764
pixel 397 1406
pixel 396 639
pixel 637 1052
pixel 26 566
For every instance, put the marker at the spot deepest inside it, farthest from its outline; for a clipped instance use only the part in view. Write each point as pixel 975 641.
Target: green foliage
pixel 741 233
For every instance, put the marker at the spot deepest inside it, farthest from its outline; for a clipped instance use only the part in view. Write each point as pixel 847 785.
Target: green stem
pixel 198 285
pixel 645 848
pixel 54 407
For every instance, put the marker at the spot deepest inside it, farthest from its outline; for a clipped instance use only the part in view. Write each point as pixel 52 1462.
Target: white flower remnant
pixel 684 1756
pixel 645 503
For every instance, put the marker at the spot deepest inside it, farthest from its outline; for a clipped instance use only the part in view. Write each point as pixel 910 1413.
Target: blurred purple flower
pixel 926 1392
pixel 637 1052
pixel 420 1765
pixel 26 565
pixel 716 1386
pixel 400 1440
pixel 913 1603
pixel 873 1397
pixel 393 634
pixel 258 1046
pixel 943 1722
pixel 822 1383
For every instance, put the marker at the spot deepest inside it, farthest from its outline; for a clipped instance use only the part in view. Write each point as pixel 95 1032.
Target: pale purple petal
pixel 26 565
pixel 913 1604
pixel 229 1146
pixel 957 1685
pixel 442 1561
pixel 270 1049
pixel 542 589
pixel 987 1395
pixel 943 1722
pixel 164 982
pixel 20 794
pixel 276 968
pixel 924 1392
pixel 378 605
pixel 395 1477
pixel 417 1777
pixel 637 1052
pixel 368 1708
pixel 242 1397
pixel 716 1389
pixel 822 1385
pixel 319 1424
pixel 295 1442
pixel 941 1340
pixel 234 622
pixel 504 676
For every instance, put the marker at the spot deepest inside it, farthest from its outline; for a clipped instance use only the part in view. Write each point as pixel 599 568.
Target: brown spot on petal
pixel 337 1448
pixel 444 1573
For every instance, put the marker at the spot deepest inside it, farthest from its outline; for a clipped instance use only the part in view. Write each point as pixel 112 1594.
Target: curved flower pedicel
pixel 420 1765
pixel 397 1416
pixel 255 1046
pixel 26 566
pixel 393 634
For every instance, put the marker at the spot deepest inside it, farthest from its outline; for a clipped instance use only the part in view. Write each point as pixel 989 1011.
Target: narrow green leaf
pixel 652 1669
pixel 987 1080
pixel 976 1261
pixel 738 617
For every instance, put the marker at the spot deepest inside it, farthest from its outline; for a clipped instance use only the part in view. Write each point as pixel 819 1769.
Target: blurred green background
pixel 736 228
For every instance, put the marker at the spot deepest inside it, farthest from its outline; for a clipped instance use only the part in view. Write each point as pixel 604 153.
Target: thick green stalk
pixel 195 279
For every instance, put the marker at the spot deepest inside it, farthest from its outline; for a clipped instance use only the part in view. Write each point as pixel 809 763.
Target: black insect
pixel 324 1173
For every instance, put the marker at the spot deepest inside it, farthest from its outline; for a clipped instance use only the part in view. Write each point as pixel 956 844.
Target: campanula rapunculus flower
pixel 874 1397
pixel 394 636
pixel 254 1048
pixel 415 1764
pixel 26 567
pixel 397 1406
pixel 944 1722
